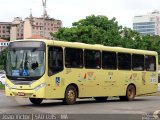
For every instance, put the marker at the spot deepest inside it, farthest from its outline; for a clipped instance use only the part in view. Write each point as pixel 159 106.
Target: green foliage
pixel 2 87
pixel 100 30
pixel 92 30
pixel 3 57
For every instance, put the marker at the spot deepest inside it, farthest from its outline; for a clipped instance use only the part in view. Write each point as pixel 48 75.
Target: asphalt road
pixel 87 109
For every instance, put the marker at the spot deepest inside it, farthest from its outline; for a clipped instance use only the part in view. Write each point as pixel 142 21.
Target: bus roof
pixel 91 46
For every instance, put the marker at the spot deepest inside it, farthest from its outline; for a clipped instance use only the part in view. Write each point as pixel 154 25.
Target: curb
pixel 153 94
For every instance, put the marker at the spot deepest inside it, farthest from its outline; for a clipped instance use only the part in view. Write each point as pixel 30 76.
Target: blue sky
pixel 70 11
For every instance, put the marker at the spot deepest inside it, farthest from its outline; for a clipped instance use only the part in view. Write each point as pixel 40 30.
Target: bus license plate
pixel 21 94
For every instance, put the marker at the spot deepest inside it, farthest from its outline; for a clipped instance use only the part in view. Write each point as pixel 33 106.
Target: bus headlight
pixel 7 86
pixel 14 87
pixel 39 86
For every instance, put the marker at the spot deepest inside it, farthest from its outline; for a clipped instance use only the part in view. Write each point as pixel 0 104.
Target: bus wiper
pixel 34 49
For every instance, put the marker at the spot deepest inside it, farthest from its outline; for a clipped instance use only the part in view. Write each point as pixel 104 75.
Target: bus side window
pixel 137 62
pixel 73 58
pixel 92 59
pixel 124 61
pixel 150 62
pixel 55 60
pixel 109 60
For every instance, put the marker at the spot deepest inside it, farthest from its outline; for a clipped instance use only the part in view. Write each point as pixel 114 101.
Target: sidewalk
pixel 2 91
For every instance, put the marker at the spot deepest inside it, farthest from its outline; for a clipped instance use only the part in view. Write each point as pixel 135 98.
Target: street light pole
pixel 44 15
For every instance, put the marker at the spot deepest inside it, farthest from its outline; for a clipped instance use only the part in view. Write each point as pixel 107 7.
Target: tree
pixel 3 57
pixel 93 30
pixel 132 39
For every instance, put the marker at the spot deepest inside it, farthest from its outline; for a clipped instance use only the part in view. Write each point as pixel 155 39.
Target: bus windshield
pixel 25 62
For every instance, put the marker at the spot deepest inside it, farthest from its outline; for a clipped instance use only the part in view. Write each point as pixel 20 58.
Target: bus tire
pixel 36 101
pixel 130 94
pixel 70 95
pixel 100 99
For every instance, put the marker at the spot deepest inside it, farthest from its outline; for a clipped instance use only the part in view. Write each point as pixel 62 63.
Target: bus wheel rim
pixel 130 93
pixel 71 95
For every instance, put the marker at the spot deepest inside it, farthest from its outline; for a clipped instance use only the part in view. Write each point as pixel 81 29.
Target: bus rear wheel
pixel 130 94
pixel 70 95
pixel 100 99
pixel 36 101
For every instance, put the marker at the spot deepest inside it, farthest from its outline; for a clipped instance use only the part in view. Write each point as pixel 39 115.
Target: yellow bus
pixel 49 69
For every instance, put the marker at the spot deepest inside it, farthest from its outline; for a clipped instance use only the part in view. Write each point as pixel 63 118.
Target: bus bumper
pixel 25 93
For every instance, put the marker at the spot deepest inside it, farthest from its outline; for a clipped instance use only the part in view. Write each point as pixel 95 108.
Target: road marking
pixel 155 114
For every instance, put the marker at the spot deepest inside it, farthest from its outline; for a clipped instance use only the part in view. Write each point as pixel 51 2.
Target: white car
pixel 2 73
pixel 2 79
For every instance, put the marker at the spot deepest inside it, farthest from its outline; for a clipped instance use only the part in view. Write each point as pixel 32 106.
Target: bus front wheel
pixel 70 95
pixel 130 94
pixel 36 101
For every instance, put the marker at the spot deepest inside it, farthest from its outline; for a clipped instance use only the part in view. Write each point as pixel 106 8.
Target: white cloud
pixel 70 11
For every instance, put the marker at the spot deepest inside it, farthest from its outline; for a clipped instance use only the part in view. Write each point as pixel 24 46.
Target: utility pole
pixel 44 15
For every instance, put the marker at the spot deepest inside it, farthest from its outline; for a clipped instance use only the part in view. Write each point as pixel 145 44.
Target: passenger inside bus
pixel 34 65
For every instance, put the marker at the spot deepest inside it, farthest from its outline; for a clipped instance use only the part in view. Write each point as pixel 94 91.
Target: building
pixel 33 26
pixel 41 27
pixel 3 44
pixel 147 24
pixel 5 30
pixel 16 31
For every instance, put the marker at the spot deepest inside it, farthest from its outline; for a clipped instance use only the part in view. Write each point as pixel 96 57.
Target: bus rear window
pixel 150 63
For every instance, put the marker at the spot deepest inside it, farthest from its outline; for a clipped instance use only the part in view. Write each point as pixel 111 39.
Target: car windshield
pixel 25 63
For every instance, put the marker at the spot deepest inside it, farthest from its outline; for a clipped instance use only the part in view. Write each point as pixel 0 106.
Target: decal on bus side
pixel 58 80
